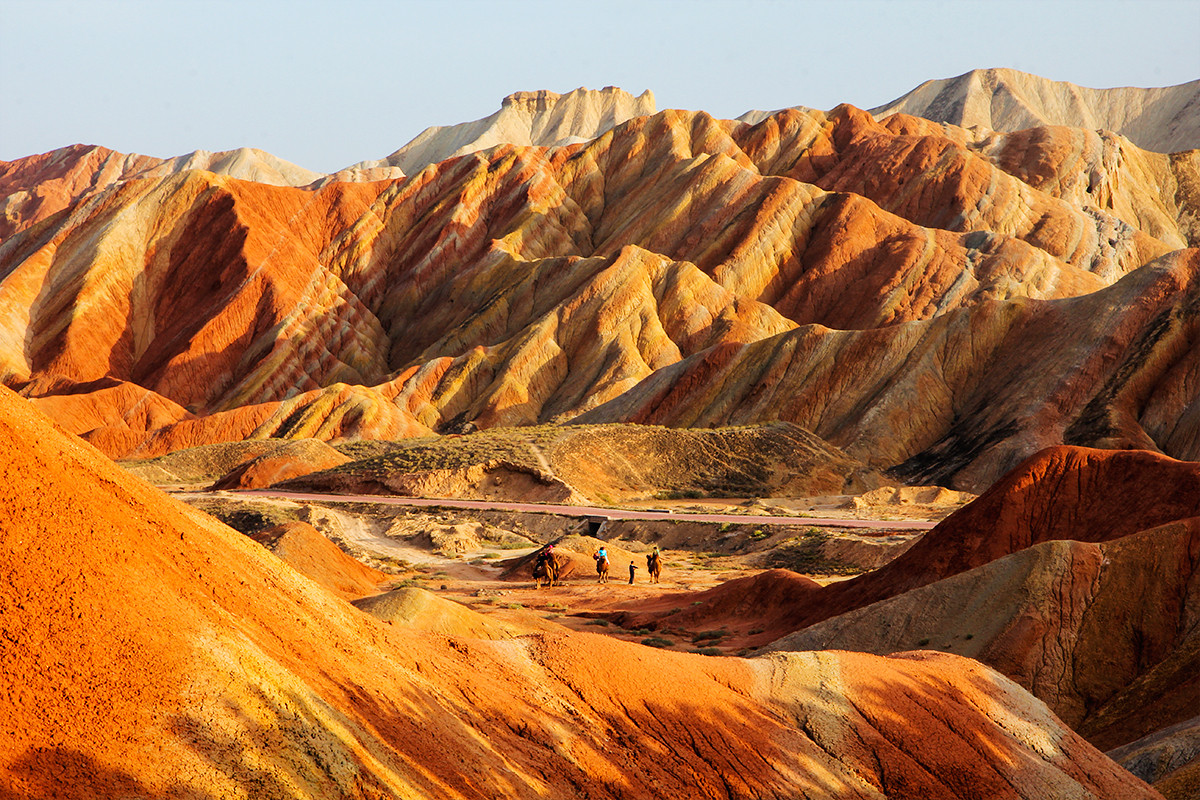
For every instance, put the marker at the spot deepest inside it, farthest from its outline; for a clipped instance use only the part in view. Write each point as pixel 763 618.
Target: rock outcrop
pixel 1168 759
pixel 1076 575
pixel 1166 120
pixel 1046 616
pixel 538 119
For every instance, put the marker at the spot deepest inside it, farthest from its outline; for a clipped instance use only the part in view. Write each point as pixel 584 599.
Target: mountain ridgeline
pixel 934 300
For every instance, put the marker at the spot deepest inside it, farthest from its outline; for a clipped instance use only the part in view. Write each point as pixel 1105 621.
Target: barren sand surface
pixel 483 562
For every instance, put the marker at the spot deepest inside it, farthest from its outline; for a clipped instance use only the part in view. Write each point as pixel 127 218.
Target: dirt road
pixel 597 511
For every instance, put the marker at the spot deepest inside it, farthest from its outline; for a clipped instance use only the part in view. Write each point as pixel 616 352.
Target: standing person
pixel 632 569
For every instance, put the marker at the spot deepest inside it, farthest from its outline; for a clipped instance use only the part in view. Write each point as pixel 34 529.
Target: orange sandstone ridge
pixel 152 651
pixel 530 284
pixel 1075 575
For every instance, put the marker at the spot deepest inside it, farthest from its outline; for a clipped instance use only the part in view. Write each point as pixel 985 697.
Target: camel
pixel 545 568
pixel 601 557
pixel 654 565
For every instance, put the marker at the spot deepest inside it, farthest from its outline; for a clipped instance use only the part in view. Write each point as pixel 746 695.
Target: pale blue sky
pixel 327 84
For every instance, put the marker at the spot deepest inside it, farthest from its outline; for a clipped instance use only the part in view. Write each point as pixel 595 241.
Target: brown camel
pixel 546 569
pixel 601 557
pixel 654 565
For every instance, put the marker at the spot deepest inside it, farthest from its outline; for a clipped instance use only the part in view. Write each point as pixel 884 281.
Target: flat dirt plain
pixel 482 559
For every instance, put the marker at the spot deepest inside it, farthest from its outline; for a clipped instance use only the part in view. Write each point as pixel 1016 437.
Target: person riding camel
pixel 545 567
pixel 654 564
pixel 601 557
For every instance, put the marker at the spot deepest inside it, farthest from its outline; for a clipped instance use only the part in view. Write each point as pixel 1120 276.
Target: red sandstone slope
pixel 530 284
pixel 151 651
pixel 306 550
pixel 962 398
pixel 1063 493
pixel 1075 575
pixel 38 187
pixel 1100 632
pixel 289 460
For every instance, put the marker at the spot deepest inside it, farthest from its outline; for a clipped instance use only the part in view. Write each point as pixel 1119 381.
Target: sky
pixel 328 84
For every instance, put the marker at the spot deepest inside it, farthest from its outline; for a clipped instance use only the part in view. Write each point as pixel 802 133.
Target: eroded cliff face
pixel 964 397
pixel 539 119
pixel 529 284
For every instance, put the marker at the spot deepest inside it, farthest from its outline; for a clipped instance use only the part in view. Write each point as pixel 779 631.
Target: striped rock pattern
pixel 529 284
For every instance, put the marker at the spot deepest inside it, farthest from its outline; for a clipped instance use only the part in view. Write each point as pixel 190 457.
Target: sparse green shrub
pixel 709 651
pixel 601 622
pixel 679 494
pixel 923 642
pixel 657 641
pixel 706 635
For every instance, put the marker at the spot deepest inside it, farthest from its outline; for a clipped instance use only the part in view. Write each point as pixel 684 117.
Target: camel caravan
pixel 549 566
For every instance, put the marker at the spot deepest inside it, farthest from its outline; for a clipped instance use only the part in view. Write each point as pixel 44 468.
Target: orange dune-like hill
pixel 150 651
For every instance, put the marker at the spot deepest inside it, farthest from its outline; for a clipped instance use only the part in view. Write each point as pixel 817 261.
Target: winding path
pixel 596 511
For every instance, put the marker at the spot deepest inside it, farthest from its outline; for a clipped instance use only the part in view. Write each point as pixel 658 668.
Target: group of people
pixel 546 568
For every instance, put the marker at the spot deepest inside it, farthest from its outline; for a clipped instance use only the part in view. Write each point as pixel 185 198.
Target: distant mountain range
pixel 1164 120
